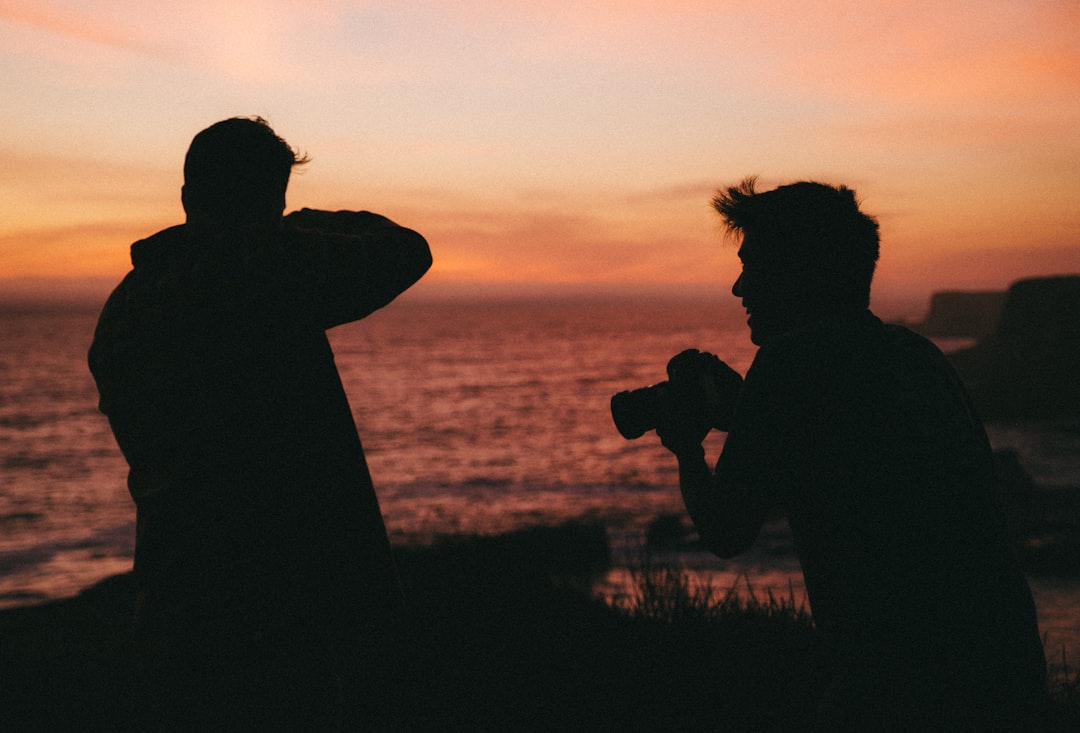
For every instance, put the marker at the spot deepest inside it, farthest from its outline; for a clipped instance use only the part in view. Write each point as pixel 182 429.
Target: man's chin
pixel 759 332
pixel 756 338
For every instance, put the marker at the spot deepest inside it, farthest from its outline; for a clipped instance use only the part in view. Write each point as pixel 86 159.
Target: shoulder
pixel 153 249
pixel 147 255
pixel 858 337
pixel 819 347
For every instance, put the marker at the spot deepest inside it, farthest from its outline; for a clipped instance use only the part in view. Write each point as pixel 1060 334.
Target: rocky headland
pixel 1026 365
pixel 962 314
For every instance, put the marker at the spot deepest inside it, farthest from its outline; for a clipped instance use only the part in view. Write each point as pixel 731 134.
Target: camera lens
pixel 635 412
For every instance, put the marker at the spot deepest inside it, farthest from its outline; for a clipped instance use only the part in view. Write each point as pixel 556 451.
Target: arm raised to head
pixel 354 262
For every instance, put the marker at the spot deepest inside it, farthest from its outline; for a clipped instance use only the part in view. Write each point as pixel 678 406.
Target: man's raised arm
pixel 355 261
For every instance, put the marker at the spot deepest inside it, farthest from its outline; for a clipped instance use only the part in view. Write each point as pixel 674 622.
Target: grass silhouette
pixel 504 633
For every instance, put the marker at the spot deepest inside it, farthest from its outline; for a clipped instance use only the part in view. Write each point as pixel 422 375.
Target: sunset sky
pixel 556 143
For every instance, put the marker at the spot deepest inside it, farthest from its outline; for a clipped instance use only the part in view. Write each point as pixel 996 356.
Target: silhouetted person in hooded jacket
pixel 262 562
pixel 863 433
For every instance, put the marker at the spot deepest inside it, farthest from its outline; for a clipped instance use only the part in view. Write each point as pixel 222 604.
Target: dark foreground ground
pixel 508 638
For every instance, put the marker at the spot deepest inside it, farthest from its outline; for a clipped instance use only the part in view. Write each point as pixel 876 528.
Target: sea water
pixel 477 416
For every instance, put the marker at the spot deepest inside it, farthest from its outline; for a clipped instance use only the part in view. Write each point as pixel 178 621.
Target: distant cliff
pixel 962 314
pixel 1029 366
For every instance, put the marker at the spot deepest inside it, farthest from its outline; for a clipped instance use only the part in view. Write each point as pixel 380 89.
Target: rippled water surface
pixel 475 417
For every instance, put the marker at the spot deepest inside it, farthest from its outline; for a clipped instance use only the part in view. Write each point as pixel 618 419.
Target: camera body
pixel 698 383
pixel 635 411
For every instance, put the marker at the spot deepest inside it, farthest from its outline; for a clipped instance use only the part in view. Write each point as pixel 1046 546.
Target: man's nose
pixel 737 287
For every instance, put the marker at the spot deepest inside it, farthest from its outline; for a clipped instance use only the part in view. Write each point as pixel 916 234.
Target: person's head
pixel 236 172
pixel 808 252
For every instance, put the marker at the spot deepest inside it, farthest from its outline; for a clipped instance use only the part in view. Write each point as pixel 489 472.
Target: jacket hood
pixel 155 249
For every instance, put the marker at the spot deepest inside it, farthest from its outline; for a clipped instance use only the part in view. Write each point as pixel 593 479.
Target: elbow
pixel 425 258
pixel 416 257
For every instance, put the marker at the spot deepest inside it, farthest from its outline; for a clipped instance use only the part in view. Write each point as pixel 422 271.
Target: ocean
pixel 477 416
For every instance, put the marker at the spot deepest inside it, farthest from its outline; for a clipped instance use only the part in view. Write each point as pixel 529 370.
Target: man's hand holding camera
pixel 703 395
pixel 700 395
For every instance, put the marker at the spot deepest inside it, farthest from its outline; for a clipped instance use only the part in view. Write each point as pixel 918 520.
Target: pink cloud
pixel 84 25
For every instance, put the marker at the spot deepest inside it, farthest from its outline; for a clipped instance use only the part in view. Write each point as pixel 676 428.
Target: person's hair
pixel 237 170
pixel 811 226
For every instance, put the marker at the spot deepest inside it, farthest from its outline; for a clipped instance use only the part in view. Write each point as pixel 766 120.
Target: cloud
pixel 934 54
pixel 256 42
pixel 89 24
pixel 545 245
pixel 88 249
pixel 61 190
pixel 554 141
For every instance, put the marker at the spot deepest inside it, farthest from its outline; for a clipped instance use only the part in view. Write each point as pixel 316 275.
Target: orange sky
pixel 559 143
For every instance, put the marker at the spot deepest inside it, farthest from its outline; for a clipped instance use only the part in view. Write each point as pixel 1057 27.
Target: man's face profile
pixel 773 291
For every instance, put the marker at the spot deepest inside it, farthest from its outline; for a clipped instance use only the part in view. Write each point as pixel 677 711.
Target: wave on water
pixel 477 418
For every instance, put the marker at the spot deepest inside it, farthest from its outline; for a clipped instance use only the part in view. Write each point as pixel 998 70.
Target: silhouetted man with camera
pixel 864 434
pixel 262 564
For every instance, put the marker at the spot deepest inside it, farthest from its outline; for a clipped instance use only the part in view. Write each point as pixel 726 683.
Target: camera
pixel 638 411
pixel 635 411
